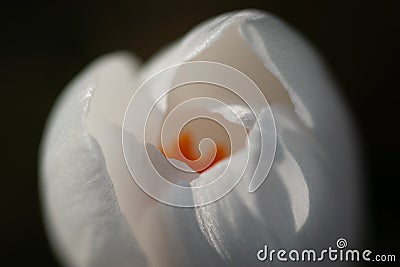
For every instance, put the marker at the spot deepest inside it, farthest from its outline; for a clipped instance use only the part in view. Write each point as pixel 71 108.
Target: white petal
pixel 83 216
pixel 312 195
pixel 309 199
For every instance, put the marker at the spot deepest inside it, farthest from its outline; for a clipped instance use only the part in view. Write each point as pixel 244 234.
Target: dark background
pixel 44 45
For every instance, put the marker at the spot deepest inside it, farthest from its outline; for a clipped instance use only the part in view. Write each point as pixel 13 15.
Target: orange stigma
pixel 187 152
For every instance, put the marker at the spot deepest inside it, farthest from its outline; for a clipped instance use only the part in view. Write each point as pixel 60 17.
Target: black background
pixel 44 45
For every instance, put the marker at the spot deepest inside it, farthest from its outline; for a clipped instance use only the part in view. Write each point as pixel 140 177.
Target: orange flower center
pixel 186 151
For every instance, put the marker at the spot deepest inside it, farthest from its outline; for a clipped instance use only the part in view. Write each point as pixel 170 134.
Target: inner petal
pixel 196 130
pixel 231 49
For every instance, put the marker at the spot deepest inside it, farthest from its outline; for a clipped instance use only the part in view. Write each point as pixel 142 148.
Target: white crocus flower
pixel 98 216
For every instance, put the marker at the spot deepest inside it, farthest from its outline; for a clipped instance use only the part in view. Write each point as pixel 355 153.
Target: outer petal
pixel 84 220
